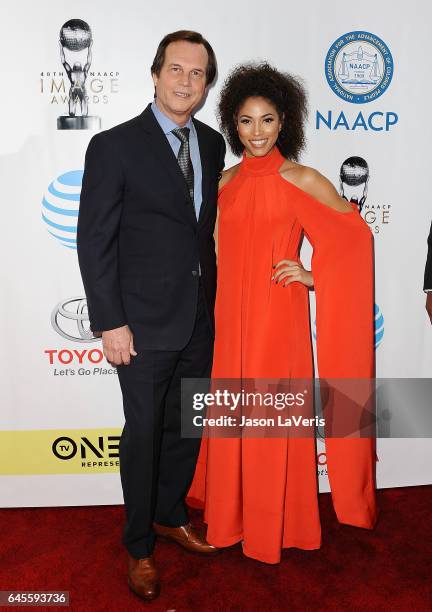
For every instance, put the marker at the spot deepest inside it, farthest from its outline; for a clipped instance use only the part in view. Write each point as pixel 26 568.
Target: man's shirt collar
pixel 167 124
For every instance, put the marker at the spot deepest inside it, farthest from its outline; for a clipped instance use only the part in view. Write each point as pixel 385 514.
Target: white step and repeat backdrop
pixel 61 412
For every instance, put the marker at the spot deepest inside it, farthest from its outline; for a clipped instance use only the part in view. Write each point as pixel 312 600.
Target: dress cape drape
pixel 264 492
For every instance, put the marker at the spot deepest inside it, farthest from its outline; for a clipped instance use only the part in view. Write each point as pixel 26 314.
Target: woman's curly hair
pixel 284 91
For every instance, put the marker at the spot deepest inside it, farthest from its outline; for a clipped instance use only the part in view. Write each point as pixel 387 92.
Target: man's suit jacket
pixel 139 242
pixel 428 270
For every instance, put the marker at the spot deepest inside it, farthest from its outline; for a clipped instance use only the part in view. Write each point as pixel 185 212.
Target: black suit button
pixel 194 272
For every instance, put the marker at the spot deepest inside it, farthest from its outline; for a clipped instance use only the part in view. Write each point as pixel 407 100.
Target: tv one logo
pixel 322 462
pixel 105 448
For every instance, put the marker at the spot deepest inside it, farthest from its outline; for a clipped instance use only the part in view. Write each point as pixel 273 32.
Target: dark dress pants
pixel 156 464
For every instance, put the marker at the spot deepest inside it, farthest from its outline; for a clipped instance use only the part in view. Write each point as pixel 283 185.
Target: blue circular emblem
pixel 359 67
pixel 379 326
pixel 60 207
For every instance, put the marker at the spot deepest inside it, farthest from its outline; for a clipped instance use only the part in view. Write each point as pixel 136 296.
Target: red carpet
pixel 79 550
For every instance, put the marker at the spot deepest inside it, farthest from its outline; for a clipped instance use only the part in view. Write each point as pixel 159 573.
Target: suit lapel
pixel 164 152
pixel 205 167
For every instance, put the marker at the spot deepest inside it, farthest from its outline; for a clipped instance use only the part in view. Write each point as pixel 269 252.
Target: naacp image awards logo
pixel 77 87
pixel 76 41
pixel 359 67
pixel 354 178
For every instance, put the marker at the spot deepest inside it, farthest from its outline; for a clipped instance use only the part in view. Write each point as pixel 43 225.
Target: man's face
pixel 181 83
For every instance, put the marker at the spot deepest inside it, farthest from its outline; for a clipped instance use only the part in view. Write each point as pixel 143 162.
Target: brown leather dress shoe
pixel 143 578
pixel 187 537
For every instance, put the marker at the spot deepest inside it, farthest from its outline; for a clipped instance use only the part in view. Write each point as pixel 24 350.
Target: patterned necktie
pixel 184 159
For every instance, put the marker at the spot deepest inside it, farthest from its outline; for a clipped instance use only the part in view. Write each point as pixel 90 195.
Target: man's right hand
pixel 118 345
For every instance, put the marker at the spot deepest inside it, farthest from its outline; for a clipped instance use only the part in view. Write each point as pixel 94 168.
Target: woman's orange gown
pixel 263 491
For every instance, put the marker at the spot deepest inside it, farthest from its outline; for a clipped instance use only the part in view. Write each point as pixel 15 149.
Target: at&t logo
pixel 378 327
pixel 60 206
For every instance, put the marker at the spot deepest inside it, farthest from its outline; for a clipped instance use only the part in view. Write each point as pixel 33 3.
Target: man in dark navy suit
pixel 147 259
pixel 428 277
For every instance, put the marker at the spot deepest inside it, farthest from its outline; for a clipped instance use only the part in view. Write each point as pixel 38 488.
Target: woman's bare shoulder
pixel 315 184
pixel 298 174
pixel 228 174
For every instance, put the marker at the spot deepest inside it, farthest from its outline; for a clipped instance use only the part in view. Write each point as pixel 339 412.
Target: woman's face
pixel 258 126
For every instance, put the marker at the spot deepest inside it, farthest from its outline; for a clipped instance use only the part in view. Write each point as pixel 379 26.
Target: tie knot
pixel 182 134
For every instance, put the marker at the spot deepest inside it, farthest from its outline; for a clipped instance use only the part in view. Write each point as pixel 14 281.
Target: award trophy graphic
pixel 76 55
pixel 354 179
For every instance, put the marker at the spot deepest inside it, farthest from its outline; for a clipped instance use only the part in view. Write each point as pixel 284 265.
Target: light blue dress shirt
pixel 167 126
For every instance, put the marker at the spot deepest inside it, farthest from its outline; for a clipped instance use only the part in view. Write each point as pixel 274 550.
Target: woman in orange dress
pixel 263 491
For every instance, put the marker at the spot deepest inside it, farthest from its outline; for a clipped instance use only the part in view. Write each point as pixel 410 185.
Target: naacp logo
pixel 359 67
pixel 70 319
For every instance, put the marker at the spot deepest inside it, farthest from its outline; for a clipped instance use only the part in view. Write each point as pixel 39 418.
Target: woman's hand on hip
pixel 288 271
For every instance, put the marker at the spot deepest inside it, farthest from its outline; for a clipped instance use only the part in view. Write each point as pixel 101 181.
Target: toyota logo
pixel 70 320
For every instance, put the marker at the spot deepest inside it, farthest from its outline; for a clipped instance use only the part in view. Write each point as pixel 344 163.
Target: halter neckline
pixel 264 164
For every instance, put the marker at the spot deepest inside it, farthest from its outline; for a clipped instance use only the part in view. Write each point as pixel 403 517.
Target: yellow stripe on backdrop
pixel 59 451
